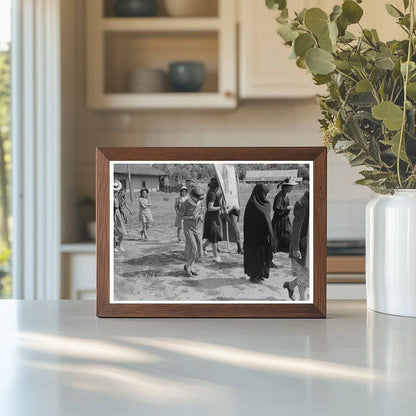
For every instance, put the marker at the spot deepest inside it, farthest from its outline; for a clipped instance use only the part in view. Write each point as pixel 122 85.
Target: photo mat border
pixel 149 162
pixel 316 308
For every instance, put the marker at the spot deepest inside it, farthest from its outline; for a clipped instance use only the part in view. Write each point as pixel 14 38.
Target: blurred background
pixel 100 73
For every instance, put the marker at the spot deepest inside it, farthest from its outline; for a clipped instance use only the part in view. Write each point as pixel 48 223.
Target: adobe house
pixel 142 176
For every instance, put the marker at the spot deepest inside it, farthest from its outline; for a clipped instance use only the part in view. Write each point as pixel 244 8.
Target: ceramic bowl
pixel 135 8
pixel 186 76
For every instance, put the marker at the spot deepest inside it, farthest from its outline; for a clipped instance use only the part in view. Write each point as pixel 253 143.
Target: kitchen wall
pixel 253 123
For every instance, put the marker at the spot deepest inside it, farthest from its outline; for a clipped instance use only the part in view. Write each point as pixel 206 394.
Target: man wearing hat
pixel 191 212
pixel 282 228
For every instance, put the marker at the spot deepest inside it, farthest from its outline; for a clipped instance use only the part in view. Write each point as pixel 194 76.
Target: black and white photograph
pixel 211 232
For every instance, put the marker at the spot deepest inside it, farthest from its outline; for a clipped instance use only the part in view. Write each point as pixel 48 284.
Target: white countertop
pixel 57 359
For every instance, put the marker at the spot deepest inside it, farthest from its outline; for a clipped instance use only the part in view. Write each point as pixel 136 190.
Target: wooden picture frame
pixel 316 156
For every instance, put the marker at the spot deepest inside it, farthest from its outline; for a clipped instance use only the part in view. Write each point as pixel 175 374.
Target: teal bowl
pixel 135 8
pixel 186 76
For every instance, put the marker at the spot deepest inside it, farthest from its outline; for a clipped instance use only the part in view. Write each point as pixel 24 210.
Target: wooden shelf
pixel 164 101
pixel 346 264
pixel 116 46
pixel 159 24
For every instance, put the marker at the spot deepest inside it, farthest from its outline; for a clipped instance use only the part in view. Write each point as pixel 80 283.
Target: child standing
pixel 183 195
pixel 145 213
pixel 192 215
pixel 119 225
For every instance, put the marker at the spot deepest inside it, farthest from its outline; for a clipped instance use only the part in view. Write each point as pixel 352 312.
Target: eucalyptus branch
pixel 405 81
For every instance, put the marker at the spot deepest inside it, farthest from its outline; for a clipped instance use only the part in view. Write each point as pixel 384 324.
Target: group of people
pixel 263 235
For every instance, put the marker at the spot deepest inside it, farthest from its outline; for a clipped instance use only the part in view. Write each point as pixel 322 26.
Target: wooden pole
pixel 129 180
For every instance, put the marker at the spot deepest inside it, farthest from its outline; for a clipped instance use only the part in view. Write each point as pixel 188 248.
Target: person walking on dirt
pixel 213 224
pixel 191 212
pixel 145 212
pixel 119 224
pixel 183 195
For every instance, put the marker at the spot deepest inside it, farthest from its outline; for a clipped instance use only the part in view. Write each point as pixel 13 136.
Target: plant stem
pixel 406 80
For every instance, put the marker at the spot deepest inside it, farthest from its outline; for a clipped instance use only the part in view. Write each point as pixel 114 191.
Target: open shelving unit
pixel 118 45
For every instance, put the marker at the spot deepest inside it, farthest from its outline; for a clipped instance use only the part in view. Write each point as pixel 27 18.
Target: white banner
pixel 227 177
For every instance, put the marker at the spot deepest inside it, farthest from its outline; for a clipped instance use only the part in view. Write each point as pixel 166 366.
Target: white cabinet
pixel 265 70
pixel 264 65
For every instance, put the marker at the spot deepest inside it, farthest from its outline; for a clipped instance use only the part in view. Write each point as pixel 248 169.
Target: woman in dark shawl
pixel 258 235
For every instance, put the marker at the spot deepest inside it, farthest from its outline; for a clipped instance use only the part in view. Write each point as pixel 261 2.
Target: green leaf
pixel 393 11
pixel 341 64
pixel 394 144
pixel 286 32
pixel 358 160
pixel 411 90
pixel 325 43
pixel 336 12
pixel 343 145
pixel 375 35
pixel 303 43
pixel 319 61
pixel 321 79
pixel 390 113
pixel 342 25
pixel 351 11
pixel 363 86
pixel 276 4
pixel 301 63
pixel 406 4
pixel 316 20
pixel 364 181
pixel 385 63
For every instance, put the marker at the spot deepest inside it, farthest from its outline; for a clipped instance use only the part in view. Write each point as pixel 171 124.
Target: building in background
pixel 142 176
pixel 271 176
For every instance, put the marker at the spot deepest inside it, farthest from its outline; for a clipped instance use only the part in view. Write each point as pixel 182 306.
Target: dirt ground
pixel 153 269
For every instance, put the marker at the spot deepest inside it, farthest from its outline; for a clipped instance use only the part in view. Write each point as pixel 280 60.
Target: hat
pixel 184 188
pixel 197 193
pixel 117 185
pixel 289 182
pixel 142 190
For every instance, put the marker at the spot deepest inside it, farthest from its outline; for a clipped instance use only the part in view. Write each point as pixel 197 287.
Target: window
pixel 143 184
pixel 5 158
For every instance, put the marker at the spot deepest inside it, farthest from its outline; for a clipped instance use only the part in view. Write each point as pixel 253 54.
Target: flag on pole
pixel 227 178
pixel 129 179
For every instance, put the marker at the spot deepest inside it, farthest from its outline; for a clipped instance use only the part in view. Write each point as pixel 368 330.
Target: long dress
pixel 178 203
pixel 145 213
pixel 299 241
pixel 119 225
pixel 212 222
pixel 258 234
pixel 233 231
pixel 282 227
pixel 192 228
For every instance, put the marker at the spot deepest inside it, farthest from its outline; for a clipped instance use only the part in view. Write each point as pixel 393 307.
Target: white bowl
pixel 146 80
pixel 191 8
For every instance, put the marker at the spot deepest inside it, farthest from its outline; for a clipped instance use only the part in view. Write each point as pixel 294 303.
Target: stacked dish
pixel 147 80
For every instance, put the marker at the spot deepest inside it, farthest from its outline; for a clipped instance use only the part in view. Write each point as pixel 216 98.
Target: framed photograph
pixel 211 232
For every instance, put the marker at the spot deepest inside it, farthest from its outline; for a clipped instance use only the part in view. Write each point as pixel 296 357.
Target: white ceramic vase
pixel 391 253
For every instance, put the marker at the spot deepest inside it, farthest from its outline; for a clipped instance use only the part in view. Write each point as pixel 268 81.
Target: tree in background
pixel 5 165
pixel 4 144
